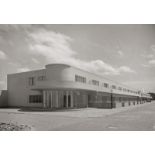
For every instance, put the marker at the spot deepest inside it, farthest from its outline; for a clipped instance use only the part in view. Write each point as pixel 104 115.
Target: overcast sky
pixel 124 53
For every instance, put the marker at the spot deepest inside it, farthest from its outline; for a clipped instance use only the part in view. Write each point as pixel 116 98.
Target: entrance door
pixel 69 101
pixel 65 101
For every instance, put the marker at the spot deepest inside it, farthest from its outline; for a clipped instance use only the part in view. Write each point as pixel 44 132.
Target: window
pixel 80 79
pixel 94 82
pixel 113 87
pixel 35 99
pixel 106 85
pixel 125 90
pixel 119 88
pixel 31 81
pixel 41 78
pixel 104 99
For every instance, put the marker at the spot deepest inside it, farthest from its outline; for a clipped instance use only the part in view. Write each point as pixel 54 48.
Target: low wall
pixel 3 98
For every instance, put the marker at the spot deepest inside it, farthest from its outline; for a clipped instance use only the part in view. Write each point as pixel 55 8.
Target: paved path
pixel 136 118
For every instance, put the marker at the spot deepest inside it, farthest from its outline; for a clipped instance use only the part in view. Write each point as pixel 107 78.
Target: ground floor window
pixel 35 99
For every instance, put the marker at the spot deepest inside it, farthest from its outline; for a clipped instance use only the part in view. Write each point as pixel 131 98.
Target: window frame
pixel 35 99
pixel 31 81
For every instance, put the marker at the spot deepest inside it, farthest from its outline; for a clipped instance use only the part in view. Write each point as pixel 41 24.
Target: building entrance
pixel 67 103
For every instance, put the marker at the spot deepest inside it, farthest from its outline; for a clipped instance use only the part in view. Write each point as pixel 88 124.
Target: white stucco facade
pixel 57 86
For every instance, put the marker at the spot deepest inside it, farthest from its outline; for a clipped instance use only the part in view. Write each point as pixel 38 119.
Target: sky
pixel 123 53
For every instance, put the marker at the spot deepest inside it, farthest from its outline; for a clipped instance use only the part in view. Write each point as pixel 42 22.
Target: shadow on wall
pixel 3 98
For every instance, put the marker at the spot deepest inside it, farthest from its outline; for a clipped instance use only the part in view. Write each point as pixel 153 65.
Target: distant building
pixel 3 98
pixel 64 86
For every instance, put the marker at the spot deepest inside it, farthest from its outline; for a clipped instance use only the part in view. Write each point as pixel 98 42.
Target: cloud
pixel 15 64
pixel 35 61
pixel 99 66
pixel 3 56
pixel 144 65
pixel 152 62
pixel 126 69
pixel 121 54
pixel 141 84
pixel 102 68
pixel 52 45
pixel 153 48
pixel 14 27
pixel 56 48
pixel 24 69
pixel 150 56
pixel 17 67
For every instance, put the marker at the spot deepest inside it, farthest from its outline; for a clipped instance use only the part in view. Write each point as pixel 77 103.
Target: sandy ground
pixel 136 118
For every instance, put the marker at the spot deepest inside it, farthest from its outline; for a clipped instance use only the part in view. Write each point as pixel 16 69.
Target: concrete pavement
pixel 136 118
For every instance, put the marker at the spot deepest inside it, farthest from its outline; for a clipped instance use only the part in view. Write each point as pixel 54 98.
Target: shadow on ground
pixel 47 110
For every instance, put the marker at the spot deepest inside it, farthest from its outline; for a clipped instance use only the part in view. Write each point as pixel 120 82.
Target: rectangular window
pixel 125 90
pixel 80 79
pixel 119 88
pixel 113 87
pixel 94 82
pixel 31 81
pixel 35 99
pixel 106 85
pixel 41 78
pixel 123 104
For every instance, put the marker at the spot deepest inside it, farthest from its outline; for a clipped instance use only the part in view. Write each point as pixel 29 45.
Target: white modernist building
pixel 64 86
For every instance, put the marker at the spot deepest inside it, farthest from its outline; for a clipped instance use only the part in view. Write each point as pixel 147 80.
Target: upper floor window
pixel 113 87
pixel 80 79
pixel 106 85
pixel 119 88
pixel 124 89
pixel 31 81
pixel 41 78
pixel 94 82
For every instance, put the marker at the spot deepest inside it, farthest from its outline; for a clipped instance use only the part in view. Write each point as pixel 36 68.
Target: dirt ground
pixel 136 118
